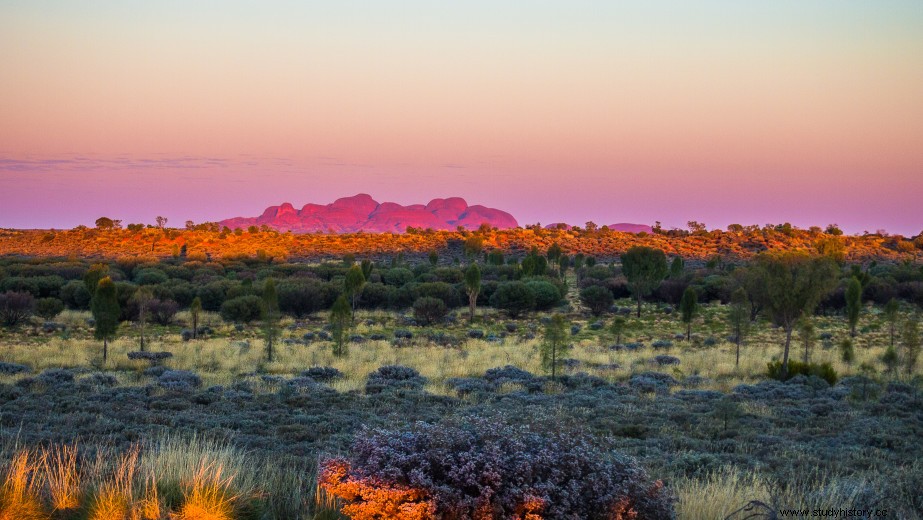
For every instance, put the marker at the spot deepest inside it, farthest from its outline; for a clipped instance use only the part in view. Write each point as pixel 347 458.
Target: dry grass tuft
pixel 19 493
pixel 208 496
pixel 62 477
pixel 115 498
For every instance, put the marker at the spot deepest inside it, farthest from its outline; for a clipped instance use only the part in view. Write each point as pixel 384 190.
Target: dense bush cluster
pixel 483 468
pixel 394 377
pixel 796 368
pixel 233 285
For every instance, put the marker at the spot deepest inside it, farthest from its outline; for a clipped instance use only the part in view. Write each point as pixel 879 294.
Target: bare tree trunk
pixel 472 304
pixel 788 343
pixel 737 361
pixel 639 305
pixel 105 349
pixel 554 360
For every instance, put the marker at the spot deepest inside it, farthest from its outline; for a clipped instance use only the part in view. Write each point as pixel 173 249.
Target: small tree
pixel 353 284
pixel 892 313
pixel 554 255
pixel 617 328
pixel 807 335
pixel 676 267
pixel 689 309
pixel 563 264
pixel 473 246
pixel 739 318
pixel 433 258
pixel 847 353
pixel 142 300
pixel 726 410
pixel 853 303
pixel 890 360
pixel 794 284
pixel 555 344
pixel 195 309
pixel 94 274
pixel 910 338
pixel 644 268
pixel 341 317
pixel 161 222
pixel 105 223
pixel 270 316
pixel 106 311
pixel 367 267
pixel 472 287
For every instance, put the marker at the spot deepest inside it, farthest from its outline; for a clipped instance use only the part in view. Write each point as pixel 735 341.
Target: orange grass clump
pixel 62 478
pixel 149 506
pixel 207 496
pixel 369 499
pixel 115 498
pixel 19 493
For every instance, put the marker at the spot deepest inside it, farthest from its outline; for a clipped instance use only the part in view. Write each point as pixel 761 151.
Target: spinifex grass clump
pixel 483 469
pixel 175 478
pixel 19 491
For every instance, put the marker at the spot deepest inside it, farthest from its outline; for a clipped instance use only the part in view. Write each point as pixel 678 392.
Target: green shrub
pixel 546 294
pixel 597 299
pixel 824 371
pixel 428 310
pixel 242 309
pixel 48 308
pixel 513 297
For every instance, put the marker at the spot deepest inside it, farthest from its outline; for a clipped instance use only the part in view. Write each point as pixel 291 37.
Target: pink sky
pixel 720 112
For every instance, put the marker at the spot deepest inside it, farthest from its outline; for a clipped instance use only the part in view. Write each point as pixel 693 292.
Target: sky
pixel 719 111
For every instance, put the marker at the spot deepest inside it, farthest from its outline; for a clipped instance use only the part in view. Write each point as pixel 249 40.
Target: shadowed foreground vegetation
pixel 230 390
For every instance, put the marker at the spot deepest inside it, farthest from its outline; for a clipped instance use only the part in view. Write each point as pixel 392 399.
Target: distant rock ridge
pixel 362 213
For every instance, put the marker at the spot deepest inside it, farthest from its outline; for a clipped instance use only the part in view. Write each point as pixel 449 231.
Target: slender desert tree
pixel 617 328
pixel 644 268
pixel 142 298
pixel 807 335
pixel 689 309
pixel 892 313
pixel 353 284
pixel 795 284
pixel 341 317
pixel 270 315
pixel 853 303
pixel 195 309
pixel 739 318
pixel 472 287
pixel 910 338
pixel 555 344
pixel 106 310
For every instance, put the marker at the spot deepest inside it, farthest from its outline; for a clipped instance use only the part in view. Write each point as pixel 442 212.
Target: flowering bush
pixel 481 469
